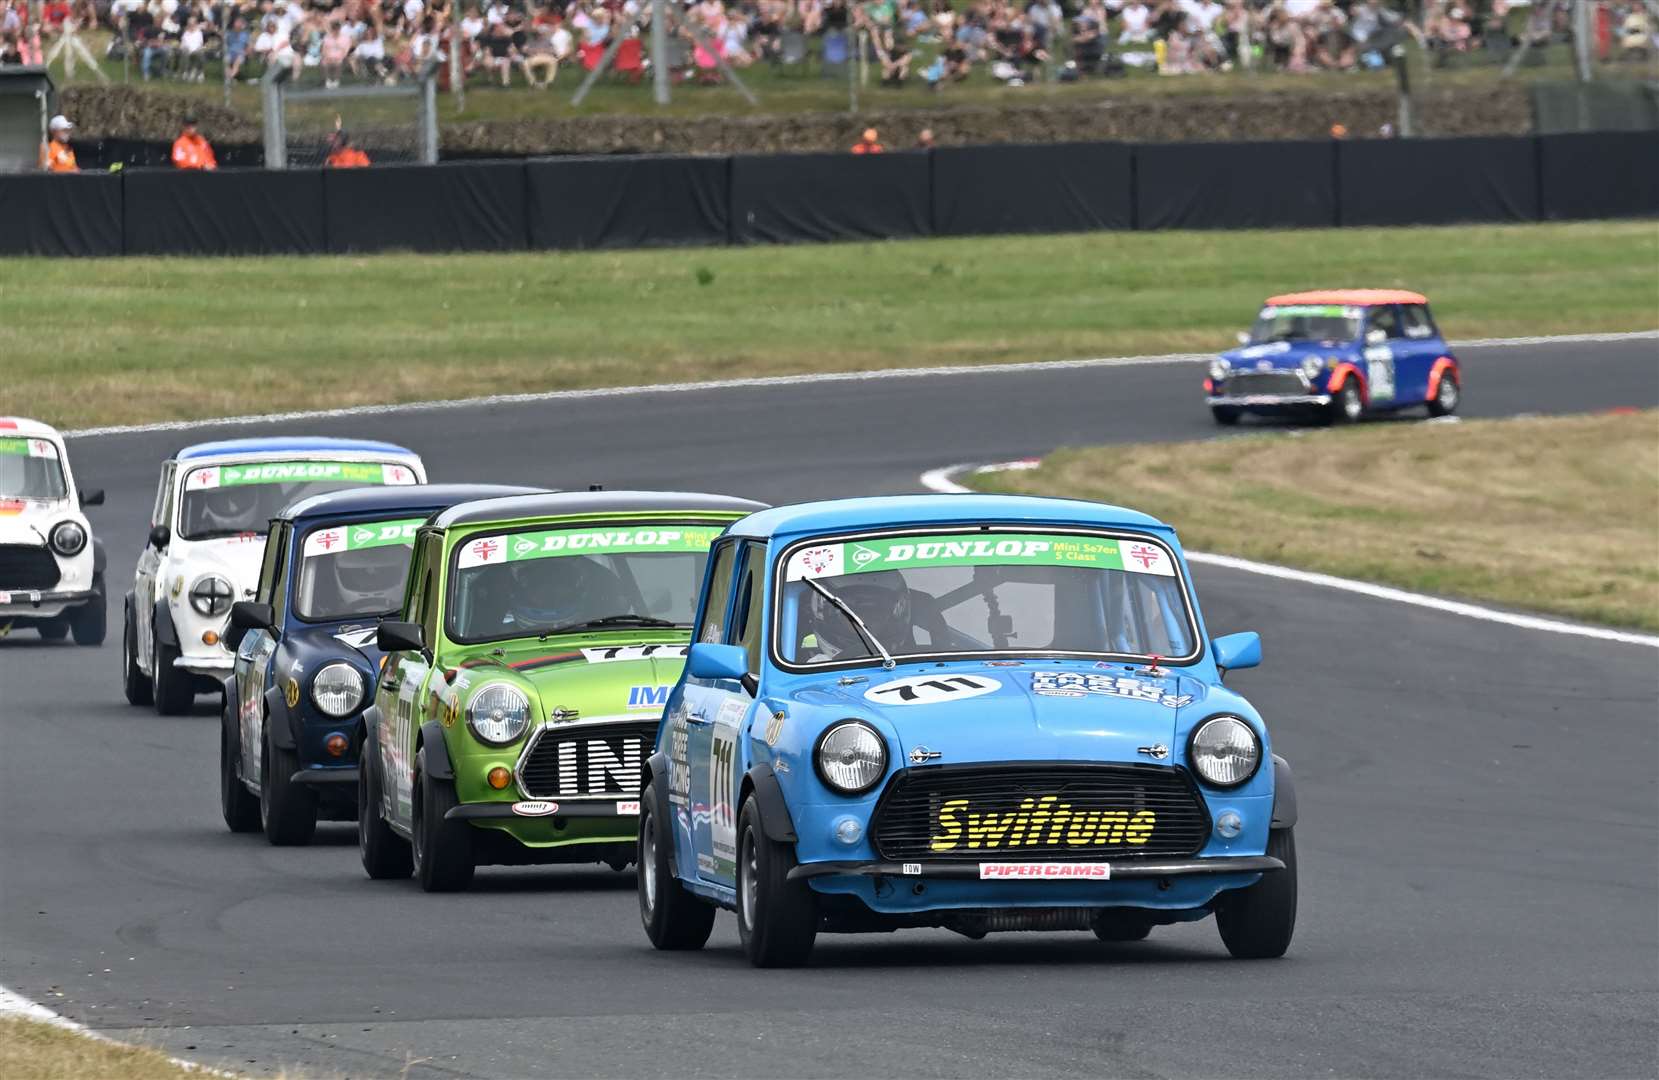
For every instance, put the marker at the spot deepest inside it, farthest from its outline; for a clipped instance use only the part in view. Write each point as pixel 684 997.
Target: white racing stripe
pixel 765 381
pixel 943 480
pixel 15 1006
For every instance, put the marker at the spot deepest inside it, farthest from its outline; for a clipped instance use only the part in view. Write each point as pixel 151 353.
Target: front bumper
pixel 1158 869
pixel 41 603
pixel 503 811
pixel 1268 401
pixel 206 666
pixel 325 777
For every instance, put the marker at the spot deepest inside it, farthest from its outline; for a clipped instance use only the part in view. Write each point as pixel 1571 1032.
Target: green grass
pixel 90 342
pixel 1526 513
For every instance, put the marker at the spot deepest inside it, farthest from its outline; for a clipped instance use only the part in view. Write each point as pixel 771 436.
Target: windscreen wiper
pixel 887 662
pixel 649 621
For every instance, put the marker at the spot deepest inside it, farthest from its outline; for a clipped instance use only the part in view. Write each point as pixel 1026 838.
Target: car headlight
pixel 67 538
pixel 851 757
pixel 498 714
pixel 211 596
pixel 337 689
pixel 1219 369
pixel 1225 751
pixel 1312 366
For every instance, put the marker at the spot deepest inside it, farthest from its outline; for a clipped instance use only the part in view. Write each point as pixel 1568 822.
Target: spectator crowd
pixel 930 42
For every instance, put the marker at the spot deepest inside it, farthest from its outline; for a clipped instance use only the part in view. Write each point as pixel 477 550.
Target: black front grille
pixel 587 760
pixel 1266 382
pixel 26 567
pixel 1017 811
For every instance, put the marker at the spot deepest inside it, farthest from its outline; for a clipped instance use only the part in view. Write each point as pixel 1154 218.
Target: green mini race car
pixel 525 677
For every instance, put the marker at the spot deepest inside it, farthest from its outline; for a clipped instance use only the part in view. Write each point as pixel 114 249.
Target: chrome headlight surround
pixel 337 689
pixel 208 602
pixel 1220 369
pixel 850 757
pixel 1224 751
pixel 498 714
pixel 1312 366
pixel 67 539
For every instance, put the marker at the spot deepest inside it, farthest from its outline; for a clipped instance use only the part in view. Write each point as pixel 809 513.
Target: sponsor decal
pixel 292 472
pixel 723 786
pixel 774 727
pixel 679 767
pixel 1045 871
pixel 356 638
pixel 5 597
pixel 291 694
pixel 628 806
pixel 1037 821
pixel 535 808
pixel 357 537
pixel 1379 373
pixel 647 697
pixel 1072 684
pixel 614 653
pixel 17 446
pixel 1326 311
pixel 931 689
pixel 911 869
pixel 553 543
pixel 997 549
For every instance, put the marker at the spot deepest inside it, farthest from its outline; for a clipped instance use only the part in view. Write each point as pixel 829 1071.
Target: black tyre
pixel 172 689
pixel 236 802
pixel 1447 396
pixel 88 622
pixel 442 849
pixel 54 629
pixel 1347 406
pixel 1257 923
pixel 777 919
pixel 134 683
pixel 1111 926
pixel 1225 415
pixel 674 918
pixel 287 810
pixel 385 854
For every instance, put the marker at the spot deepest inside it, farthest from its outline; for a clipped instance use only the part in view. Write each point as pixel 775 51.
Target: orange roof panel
pixel 1354 297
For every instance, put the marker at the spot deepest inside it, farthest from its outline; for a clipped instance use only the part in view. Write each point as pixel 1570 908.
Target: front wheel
pixel 1446 396
pixel 385 854
pixel 286 809
pixel 1256 923
pixel 171 688
pixel 1225 415
pixel 674 918
pixel 1348 406
pixel 777 919
pixel 240 808
pixel 87 622
pixel 134 684
pixel 442 849
pixel 53 629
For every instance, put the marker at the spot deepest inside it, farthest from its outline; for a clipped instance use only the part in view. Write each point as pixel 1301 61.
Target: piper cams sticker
pixel 1044 871
pixel 931 689
pixel 371 534
pixel 292 472
pixel 16 446
pixel 552 543
pixel 1000 549
pixel 1080 684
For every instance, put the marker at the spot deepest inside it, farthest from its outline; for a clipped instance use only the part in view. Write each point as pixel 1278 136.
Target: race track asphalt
pixel 1478 838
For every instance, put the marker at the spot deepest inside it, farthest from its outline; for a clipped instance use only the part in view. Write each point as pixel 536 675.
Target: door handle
pixel 695 717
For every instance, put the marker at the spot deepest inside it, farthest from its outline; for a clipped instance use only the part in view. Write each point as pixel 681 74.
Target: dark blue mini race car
pixel 306 660
pixel 1334 356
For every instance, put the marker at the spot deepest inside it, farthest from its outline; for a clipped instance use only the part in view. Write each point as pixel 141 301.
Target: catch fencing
pixel 627 202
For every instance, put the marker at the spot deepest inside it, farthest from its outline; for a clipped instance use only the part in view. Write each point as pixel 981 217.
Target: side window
pixel 268 567
pixel 1385 319
pixel 164 495
pixel 719 593
pixel 1415 318
pixel 751 599
pixel 278 539
pixel 424 604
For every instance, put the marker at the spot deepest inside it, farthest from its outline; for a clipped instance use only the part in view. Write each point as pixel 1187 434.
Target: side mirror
pixel 160 536
pixel 391 637
pixel 247 615
pixel 1237 651
pixel 95 497
pixel 707 660
pixel 1243 338
pixel 1375 336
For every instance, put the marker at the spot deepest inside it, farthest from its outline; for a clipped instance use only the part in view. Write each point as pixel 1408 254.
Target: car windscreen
pixel 541 581
pixel 227 500
pixel 981 593
pixel 1306 322
pixel 30 469
pixel 353 571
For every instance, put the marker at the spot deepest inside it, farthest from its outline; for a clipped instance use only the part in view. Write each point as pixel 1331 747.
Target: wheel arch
pixel 1284 795
pixel 775 819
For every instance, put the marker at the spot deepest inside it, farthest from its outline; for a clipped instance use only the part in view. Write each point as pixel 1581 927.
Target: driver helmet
pixel 881 599
pixel 229 508
pixel 368 576
pixel 577 590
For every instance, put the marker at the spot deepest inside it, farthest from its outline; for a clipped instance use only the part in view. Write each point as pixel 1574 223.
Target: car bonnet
pixel 598 679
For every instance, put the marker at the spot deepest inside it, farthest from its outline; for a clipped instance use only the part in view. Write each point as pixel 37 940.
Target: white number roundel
pixel 931 689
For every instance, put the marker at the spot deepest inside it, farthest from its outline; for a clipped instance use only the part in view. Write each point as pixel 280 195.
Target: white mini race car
pixel 207 539
pixel 51 569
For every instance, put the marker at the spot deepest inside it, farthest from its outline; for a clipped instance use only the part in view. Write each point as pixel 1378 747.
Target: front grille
pixel 26 567
pixel 1074 811
pixel 573 761
pixel 1266 382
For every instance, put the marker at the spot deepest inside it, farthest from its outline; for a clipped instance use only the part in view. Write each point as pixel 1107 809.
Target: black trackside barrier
pixel 1046 188
pixel 43 214
pixel 628 202
pixel 476 206
pixel 1438 181
pixel 785 198
pixel 229 212
pixel 1235 185
pixel 1599 174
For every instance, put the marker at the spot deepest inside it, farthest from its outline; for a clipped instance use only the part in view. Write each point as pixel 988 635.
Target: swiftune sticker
pixel 1044 822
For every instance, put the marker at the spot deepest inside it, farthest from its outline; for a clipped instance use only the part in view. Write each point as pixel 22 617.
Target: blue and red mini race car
pixel 1333 356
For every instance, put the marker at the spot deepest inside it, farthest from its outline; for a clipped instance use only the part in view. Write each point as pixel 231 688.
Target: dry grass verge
pixel 31 1050
pixel 1558 515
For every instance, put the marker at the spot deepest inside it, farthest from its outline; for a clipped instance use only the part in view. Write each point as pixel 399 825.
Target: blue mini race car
pixel 306 660
pixel 973 712
pixel 1335 356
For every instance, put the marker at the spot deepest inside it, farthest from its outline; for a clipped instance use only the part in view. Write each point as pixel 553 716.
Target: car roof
pixel 23 426
pixel 303 444
pixel 1349 297
pixel 426 499
pixel 562 503
pixel 884 511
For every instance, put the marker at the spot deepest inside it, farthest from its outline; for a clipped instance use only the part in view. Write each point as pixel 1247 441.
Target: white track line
pixel 764 381
pixel 943 480
pixel 15 1006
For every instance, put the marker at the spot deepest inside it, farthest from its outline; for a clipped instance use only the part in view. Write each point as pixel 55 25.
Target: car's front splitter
pixel 971 871
pixel 1270 401
pixel 575 824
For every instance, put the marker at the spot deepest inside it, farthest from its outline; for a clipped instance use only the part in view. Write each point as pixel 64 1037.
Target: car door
pixel 1381 369
pixel 1419 347
pixel 256 650
pixel 710 749
pixel 403 685
pixel 144 580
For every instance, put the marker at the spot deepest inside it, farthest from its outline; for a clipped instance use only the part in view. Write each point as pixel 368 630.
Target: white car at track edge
pixel 212 509
pixel 51 569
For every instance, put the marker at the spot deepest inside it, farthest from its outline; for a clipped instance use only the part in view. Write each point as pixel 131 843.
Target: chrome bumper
pixel 1257 401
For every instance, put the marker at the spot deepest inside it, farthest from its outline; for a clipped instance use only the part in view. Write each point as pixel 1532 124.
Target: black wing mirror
pixel 246 615
pixel 95 497
pixel 391 637
pixel 160 536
